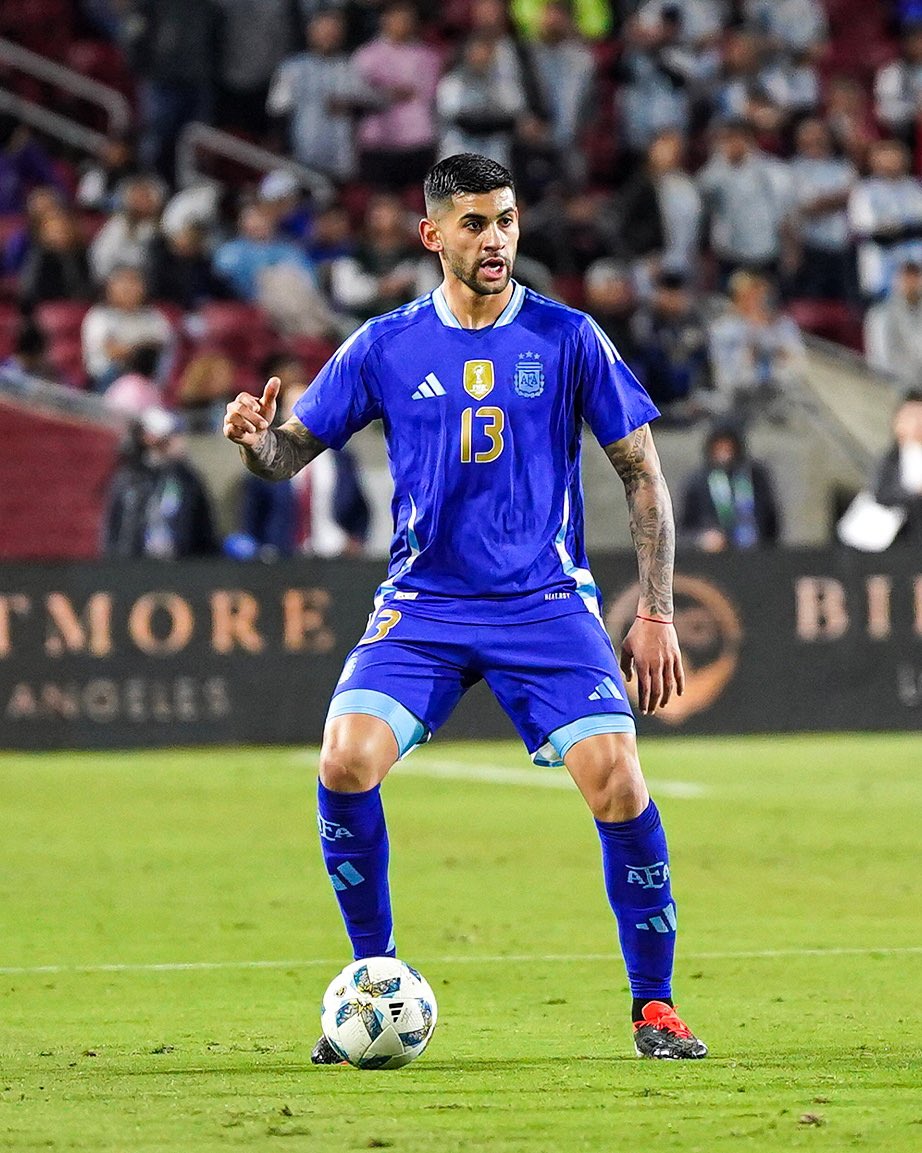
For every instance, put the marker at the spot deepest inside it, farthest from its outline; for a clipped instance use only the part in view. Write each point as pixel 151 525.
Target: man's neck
pixel 473 309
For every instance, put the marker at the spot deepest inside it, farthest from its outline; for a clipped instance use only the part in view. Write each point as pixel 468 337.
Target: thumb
pixel 627 661
pixel 270 392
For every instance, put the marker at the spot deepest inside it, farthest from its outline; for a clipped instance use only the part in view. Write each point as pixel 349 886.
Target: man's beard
pixel 468 275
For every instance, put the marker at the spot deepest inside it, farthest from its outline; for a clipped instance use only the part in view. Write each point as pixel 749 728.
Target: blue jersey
pixel 483 435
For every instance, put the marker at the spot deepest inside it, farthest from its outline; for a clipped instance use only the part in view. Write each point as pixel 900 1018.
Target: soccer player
pixel 483 387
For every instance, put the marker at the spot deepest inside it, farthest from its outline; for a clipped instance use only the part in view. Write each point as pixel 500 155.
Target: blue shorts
pixel 558 680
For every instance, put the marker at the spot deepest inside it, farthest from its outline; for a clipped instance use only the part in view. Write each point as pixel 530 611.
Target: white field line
pixel 487 959
pixel 503 775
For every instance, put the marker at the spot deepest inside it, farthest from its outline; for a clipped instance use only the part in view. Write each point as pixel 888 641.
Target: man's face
pixel 399 23
pixel 325 33
pixel 914 45
pixel 734 145
pixel 488 16
pixel 907 424
pixel 142 199
pixel 666 151
pixel 723 452
pixel 671 300
pixel 125 289
pixel 477 237
pixel 813 139
pixel 910 283
pixel 888 160
pixel 256 223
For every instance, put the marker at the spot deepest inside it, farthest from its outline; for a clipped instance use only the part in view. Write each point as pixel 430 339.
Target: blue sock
pixel 353 838
pixel 635 862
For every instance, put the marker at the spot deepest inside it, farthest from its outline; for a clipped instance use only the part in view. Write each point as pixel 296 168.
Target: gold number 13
pixel 493 430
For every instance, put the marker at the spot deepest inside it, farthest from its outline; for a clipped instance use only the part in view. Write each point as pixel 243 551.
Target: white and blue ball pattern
pixel 379 1013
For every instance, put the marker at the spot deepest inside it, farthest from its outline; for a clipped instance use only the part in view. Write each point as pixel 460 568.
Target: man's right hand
pixel 248 417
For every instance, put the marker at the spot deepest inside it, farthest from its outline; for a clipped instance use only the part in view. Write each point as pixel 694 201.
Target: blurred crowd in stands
pixel 764 154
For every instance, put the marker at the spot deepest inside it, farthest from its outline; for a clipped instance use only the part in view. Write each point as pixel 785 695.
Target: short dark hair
pixel 465 172
pixel 912 396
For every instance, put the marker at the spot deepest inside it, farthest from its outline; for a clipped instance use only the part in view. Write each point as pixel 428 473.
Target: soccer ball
pixel 379 1013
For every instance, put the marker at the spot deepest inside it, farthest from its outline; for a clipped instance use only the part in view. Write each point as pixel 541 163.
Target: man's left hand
pixel 651 651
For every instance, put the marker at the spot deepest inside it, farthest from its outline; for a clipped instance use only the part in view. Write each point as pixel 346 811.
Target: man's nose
pixel 492 238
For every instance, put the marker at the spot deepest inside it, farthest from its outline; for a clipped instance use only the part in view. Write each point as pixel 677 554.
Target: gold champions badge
pixel 478 378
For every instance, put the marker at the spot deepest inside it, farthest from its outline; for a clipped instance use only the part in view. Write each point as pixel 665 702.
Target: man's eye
pixel 472 226
pixel 506 221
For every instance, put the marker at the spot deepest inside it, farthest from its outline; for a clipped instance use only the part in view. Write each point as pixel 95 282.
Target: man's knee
pixel 607 770
pixel 357 752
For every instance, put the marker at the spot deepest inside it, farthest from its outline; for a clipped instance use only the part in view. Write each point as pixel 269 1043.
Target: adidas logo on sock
pixel 606 690
pixel 430 387
pixel 664 923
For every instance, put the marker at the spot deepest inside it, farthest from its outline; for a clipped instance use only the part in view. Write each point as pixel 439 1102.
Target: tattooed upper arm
pixel 283 452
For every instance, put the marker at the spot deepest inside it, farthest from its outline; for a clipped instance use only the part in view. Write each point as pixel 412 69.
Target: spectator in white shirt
pixel 898 88
pixel 565 70
pixel 384 271
pixel 788 25
pixel 747 195
pixel 893 328
pixel 679 202
pixel 822 182
pixel 756 354
pixel 885 216
pixel 317 91
pixel 478 108
pixel 899 477
pixel 124 322
pixel 127 236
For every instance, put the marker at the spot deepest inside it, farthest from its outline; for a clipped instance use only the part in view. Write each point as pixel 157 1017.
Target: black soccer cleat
pixel 323 1053
pixel 663 1035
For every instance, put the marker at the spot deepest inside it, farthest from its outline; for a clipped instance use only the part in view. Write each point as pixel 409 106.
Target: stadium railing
pixel 112 102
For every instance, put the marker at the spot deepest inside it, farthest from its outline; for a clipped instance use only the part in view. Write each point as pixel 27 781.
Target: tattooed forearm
pixel 283 451
pixel 652 527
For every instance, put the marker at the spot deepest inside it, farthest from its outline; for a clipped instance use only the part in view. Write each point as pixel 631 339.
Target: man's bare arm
pixel 652 526
pixel 272 453
pixel 282 452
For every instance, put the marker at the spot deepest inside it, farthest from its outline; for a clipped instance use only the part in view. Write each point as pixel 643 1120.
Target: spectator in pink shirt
pixel 397 139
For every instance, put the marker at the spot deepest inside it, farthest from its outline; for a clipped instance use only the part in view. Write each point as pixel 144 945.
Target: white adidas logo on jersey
pixel 430 387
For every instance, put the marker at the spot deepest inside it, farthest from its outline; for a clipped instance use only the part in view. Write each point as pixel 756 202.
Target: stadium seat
pixel 28 23
pixel 10 321
pixel 90 223
pixel 314 353
pixel 833 320
pixel 60 319
pixel 65 354
pixel 101 61
pixel 570 289
pixel 223 318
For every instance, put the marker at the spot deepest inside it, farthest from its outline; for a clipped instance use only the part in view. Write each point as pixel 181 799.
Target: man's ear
pixel 430 235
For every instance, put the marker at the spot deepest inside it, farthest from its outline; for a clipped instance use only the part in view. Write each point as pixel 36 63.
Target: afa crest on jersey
pixel 529 375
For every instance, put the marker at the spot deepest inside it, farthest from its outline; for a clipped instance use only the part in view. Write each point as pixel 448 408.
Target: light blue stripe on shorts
pixel 408 730
pixel 561 740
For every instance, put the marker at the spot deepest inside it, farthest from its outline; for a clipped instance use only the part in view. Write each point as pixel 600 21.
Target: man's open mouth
pixel 493 268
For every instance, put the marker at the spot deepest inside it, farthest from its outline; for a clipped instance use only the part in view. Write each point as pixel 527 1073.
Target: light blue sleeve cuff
pixel 561 740
pixel 408 730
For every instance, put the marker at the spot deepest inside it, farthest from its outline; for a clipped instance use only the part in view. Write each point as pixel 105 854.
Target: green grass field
pixel 167 930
